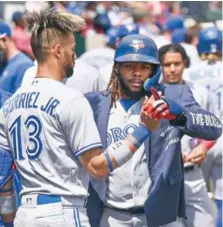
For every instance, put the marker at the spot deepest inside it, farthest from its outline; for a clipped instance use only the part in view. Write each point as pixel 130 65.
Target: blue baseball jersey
pixel 12 74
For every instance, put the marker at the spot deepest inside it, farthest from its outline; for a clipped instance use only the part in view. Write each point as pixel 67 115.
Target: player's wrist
pixel 139 135
pixel 8 224
pixel 122 151
pixel 207 144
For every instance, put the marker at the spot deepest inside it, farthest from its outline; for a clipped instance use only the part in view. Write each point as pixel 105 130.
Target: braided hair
pixel 114 85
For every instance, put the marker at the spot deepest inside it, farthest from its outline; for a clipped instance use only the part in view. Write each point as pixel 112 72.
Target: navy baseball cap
pixel 17 15
pixel 5 30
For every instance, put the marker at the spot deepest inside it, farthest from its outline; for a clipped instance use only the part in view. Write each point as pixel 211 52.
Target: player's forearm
pixel 117 153
pixel 8 218
pixel 8 203
pixel 99 165
pixel 201 124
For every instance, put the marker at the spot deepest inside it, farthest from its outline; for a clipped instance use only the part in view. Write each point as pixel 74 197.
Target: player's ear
pixel 57 51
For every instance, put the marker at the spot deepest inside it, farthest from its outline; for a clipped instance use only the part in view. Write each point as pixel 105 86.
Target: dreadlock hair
pixel 114 85
pixel 50 26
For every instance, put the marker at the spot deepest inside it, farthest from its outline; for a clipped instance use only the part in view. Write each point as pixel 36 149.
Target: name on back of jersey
pixel 26 100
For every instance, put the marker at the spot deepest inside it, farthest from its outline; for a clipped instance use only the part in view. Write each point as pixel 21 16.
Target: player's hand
pixel 150 123
pixel 162 108
pixel 184 157
pixel 198 154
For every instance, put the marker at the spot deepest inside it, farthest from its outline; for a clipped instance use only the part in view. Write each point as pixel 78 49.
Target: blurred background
pixel 101 16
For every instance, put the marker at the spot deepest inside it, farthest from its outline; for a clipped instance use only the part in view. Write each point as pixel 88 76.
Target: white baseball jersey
pixel 209 76
pixel 98 58
pixel 84 79
pixel 104 75
pixel 127 185
pixel 192 53
pixel 46 126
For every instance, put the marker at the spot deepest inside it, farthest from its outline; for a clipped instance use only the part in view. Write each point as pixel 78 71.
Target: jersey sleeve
pixel 200 122
pixel 3 136
pixel 79 126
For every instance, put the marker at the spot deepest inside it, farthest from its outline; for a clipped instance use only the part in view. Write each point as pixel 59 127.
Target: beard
pixel 69 70
pixel 131 94
pixel 3 58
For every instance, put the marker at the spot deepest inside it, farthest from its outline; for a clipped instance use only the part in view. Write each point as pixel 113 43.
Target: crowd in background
pixel 154 18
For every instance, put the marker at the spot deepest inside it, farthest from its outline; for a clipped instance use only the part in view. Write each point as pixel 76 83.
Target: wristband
pixel 7 204
pixel 108 159
pixel 141 133
pixel 120 151
pixel 8 224
pixel 133 142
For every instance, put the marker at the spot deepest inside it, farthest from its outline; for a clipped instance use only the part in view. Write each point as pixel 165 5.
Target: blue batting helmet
pixel 114 34
pixel 173 23
pixel 178 35
pixel 102 21
pixel 139 48
pixel 210 40
pixel 127 29
pixel 111 36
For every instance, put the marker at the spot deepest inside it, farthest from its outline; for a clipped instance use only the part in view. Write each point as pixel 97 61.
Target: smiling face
pixel 132 76
pixel 172 67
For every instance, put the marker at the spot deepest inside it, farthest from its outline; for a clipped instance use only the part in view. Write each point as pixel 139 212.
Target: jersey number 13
pixel 34 128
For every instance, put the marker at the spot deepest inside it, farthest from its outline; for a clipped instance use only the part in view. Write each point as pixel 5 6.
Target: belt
pixel 132 210
pixel 191 168
pixel 41 199
pixel 45 199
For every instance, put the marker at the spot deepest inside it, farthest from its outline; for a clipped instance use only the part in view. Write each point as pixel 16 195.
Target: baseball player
pixel 209 74
pixel 173 59
pixel 50 130
pixel 7 197
pixel 123 197
pixel 13 63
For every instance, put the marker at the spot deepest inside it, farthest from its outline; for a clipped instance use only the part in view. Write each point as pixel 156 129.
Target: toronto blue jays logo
pixel 137 44
pixel 213 48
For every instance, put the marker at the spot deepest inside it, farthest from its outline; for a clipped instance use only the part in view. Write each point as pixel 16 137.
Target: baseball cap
pixel 17 15
pixel 5 30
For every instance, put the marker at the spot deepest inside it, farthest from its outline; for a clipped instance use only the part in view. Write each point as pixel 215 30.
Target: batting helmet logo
pixel 137 44
pixel 213 48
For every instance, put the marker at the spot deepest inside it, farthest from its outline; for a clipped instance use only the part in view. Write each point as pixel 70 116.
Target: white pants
pixel 50 215
pixel 199 209
pixel 212 168
pixel 116 218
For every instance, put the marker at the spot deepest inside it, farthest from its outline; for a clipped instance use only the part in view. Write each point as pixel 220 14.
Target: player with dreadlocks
pixel 157 166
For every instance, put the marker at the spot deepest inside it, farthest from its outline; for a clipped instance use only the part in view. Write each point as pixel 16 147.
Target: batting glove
pixel 163 108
